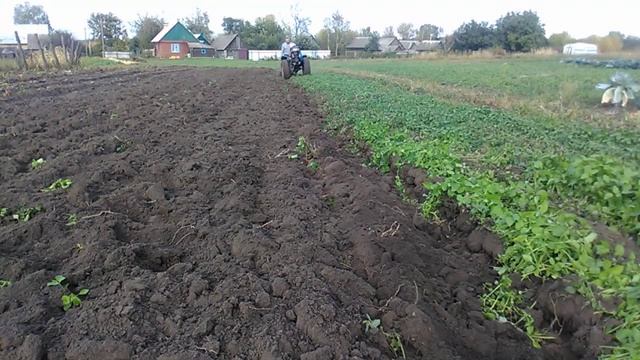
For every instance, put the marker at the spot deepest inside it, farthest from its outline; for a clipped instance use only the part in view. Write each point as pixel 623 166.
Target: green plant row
pixel 510 146
pixel 544 237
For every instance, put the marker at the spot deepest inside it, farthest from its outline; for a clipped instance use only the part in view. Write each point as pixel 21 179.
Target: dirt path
pixel 197 241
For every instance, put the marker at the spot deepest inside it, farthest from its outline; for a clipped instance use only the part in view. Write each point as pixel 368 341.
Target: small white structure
pixel 580 49
pixel 256 55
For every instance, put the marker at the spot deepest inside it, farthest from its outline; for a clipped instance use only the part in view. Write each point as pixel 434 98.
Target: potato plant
pixel 538 183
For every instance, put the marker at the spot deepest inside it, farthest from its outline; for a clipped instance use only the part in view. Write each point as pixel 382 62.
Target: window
pixel 175 48
pixel 203 51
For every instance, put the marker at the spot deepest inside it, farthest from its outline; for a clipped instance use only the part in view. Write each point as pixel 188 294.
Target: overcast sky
pixel 579 17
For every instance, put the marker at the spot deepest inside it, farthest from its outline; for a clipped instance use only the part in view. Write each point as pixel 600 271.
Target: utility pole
pixel 102 34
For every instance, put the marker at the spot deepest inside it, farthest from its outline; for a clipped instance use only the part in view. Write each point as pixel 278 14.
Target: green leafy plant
pixel 393 338
pixel 538 184
pixel 58 184
pixel 395 343
pixel 4 283
pixel 371 324
pixel 69 299
pixel 121 147
pixel 26 214
pixel 3 213
pixel 313 165
pixel 621 89
pixel 72 220
pixel 37 163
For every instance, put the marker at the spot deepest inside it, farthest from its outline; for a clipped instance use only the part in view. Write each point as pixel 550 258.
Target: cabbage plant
pixel 621 89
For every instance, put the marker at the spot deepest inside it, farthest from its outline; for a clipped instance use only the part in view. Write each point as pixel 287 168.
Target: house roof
pixel 202 38
pixel 7 36
pixel 359 42
pixel 390 44
pixel 409 44
pixel 222 42
pixel 428 45
pixel 199 45
pixel 175 32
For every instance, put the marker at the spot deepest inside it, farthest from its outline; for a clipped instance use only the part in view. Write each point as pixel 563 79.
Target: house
pixel 230 46
pixel 200 49
pixel 359 45
pixel 409 45
pixel 428 46
pixel 176 41
pixel 203 39
pixel 26 32
pixel 390 44
pixel 580 49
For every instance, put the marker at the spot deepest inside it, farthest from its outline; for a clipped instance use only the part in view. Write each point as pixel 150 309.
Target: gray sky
pixel 579 17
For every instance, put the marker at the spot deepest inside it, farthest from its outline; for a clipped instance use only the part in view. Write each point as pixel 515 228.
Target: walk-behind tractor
pixel 294 63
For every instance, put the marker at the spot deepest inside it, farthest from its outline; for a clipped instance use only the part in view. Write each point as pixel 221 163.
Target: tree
pixel 613 42
pixel 407 31
pixel 107 28
pixel 631 43
pixel 146 28
pixel 559 40
pixel 374 42
pixel 429 32
pixel 521 32
pixel 323 38
pixel 57 36
pixel 474 36
pixel 337 27
pixel 199 23
pixel 388 32
pixel 234 26
pixel 30 14
pixel 265 34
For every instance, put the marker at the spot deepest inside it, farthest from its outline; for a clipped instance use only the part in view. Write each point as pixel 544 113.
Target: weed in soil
pixel 58 184
pixel 37 163
pixel 69 298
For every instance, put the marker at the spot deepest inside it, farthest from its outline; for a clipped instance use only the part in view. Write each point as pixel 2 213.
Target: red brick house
pixel 175 41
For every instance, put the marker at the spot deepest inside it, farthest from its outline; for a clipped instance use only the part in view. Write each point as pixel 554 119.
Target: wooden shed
pixel 230 46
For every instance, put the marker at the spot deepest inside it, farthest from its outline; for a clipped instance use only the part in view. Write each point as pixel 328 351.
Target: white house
pixel 580 49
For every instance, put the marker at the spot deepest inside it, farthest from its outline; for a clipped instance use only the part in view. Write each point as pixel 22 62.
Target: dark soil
pixel 200 239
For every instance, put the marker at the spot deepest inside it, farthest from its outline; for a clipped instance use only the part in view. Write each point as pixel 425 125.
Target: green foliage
pixel 26 214
pixel 393 338
pixel 146 28
pixel 37 163
pixel 429 32
pixel 371 324
pixel 106 26
pixel 199 23
pixel 474 36
pixel 4 283
pixel 27 13
pixel 374 42
pixel 395 343
pixel 567 178
pixel 58 184
pixel 303 150
pixel 3 213
pixel 536 82
pixel 72 220
pixel 313 165
pixel 69 299
pixel 559 40
pixel 521 32
pixel 622 89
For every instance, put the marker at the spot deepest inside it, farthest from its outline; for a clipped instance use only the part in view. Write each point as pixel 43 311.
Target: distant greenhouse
pixel 580 49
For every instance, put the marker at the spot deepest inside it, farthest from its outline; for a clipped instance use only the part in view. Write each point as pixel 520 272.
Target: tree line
pixel 513 32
